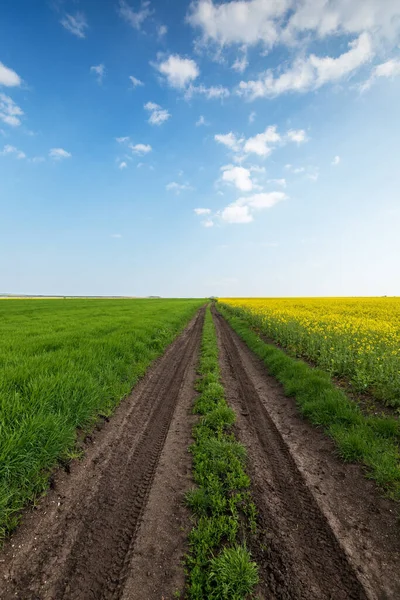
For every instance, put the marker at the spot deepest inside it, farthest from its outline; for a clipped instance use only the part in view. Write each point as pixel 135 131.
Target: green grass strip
pixel 370 440
pixel 219 564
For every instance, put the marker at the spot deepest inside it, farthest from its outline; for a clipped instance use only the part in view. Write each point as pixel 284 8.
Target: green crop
pixel 63 364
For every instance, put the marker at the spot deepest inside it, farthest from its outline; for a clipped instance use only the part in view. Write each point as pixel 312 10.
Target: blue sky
pixel 246 148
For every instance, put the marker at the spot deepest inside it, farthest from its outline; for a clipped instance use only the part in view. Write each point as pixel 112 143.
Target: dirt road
pixel 325 532
pixel 116 527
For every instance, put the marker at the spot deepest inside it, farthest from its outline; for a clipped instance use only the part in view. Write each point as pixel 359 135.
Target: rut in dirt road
pixel 297 551
pixel 86 550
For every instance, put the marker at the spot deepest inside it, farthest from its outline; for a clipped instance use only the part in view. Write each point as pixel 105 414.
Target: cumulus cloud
pixel 135 19
pixel 8 77
pixel 251 22
pixel 12 150
pixel 75 24
pixel 59 154
pixel 162 30
pixel 202 211
pixel 236 214
pixel 243 209
pixel 261 144
pixel 122 140
pixel 229 140
pixel 99 71
pixel 178 71
pixel 336 161
pixel 238 176
pixel 310 73
pixel 298 135
pixel 158 115
pixel 10 113
pixel 252 116
pixel 208 223
pixel 122 165
pixel 135 82
pixel 140 148
pixel 237 22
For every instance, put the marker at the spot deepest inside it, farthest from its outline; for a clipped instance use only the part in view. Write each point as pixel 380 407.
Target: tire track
pixel 85 552
pixel 299 555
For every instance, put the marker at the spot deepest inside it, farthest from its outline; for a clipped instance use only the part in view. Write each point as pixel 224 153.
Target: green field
pixel 63 364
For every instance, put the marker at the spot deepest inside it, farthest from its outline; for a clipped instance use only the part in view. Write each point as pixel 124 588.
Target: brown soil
pixel 116 526
pixel 324 531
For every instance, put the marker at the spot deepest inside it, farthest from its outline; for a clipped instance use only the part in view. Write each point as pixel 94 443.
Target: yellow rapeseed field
pixel 355 338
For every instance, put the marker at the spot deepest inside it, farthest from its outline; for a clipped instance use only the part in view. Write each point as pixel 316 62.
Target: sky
pixel 174 148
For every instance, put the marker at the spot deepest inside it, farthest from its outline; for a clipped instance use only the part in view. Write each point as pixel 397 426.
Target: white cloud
pixel 140 148
pixel 59 153
pixel 179 72
pixel 310 73
pixel 135 19
pixel 116 235
pixel 162 30
pixel 75 24
pixel 201 121
pixel 336 161
pixel 229 140
pixel 122 140
pixel 178 187
pixel 281 182
pixel 243 209
pixel 237 22
pixel 99 71
pixel 298 136
pixel 239 176
pixel 10 113
pixel 289 21
pixel 262 200
pixel 236 214
pixel 202 211
pixel 13 151
pixel 135 82
pixel 158 115
pixel 122 165
pixel 388 69
pixel 252 116
pixel 240 64
pixel 260 143
pixel 208 223
pixel 37 159
pixel 8 77
pixel 214 92
pixel 344 17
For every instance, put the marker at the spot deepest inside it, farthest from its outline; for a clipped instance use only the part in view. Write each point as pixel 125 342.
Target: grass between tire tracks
pixel 370 440
pixel 219 564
